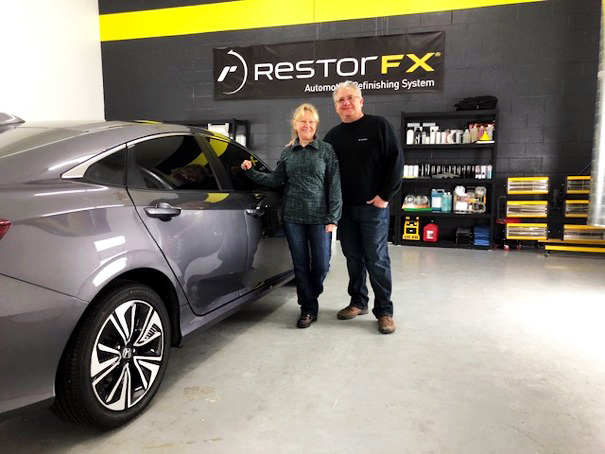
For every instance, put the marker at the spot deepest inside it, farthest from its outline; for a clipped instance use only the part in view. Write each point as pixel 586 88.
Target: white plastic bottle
pixel 466 137
pixel 409 137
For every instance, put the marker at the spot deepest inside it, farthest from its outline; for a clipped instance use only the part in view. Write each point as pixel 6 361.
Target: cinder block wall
pixel 539 59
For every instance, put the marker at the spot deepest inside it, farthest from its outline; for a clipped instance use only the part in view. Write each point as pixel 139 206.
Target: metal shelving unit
pixel 479 153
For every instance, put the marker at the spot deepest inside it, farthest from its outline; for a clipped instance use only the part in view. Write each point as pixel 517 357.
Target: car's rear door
pixel 200 229
pixel 268 253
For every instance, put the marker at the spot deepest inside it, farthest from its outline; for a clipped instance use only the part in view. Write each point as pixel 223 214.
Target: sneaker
pixel 305 320
pixel 386 325
pixel 350 312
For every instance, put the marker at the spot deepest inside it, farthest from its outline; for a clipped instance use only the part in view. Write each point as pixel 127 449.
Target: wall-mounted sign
pixel 380 64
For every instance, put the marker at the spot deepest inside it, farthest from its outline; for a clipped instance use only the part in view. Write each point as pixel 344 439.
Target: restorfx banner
pixel 380 64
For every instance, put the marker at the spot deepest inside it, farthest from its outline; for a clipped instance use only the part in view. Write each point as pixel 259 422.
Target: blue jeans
pixel 310 249
pixel 364 231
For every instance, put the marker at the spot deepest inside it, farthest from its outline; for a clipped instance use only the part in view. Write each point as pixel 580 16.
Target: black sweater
pixel 370 159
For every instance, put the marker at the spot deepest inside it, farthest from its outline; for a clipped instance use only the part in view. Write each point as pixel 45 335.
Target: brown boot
pixel 386 325
pixel 350 312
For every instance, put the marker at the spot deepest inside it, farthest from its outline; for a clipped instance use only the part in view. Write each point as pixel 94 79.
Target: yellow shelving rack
pixel 577 237
pixel 526 231
pixel 526 208
pixel 537 186
pixel 578 184
pixel 576 208
pixel 527 185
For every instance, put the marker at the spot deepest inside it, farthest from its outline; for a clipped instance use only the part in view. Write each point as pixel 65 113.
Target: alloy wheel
pixel 127 355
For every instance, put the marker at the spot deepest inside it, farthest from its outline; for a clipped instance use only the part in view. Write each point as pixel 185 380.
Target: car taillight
pixel 4 226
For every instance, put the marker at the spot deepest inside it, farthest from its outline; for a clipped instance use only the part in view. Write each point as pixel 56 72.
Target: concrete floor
pixel 495 352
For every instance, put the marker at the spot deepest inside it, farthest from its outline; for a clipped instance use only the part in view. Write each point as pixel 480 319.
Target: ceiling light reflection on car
pixel 103 245
pixel 109 271
pixel 71 191
pixel 58 213
pixel 71 162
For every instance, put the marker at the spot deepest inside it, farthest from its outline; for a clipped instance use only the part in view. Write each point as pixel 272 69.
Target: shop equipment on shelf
pixel 441 154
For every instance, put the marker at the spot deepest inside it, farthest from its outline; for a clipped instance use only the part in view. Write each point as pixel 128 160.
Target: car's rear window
pixel 21 139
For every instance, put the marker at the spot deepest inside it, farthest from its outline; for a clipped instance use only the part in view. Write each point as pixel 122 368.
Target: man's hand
pixel 246 165
pixel 378 202
pixel 330 228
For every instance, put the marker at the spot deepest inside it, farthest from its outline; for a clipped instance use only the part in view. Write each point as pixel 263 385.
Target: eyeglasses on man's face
pixel 344 99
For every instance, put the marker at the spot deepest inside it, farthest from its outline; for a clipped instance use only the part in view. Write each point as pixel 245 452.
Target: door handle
pixel 259 208
pixel 255 212
pixel 163 211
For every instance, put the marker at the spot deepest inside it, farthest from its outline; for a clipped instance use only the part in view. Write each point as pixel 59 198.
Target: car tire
pixel 115 359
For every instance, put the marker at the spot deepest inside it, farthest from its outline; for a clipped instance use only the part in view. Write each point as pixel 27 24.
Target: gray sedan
pixel 117 240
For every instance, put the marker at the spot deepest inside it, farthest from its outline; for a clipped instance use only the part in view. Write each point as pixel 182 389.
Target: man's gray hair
pixel 346 84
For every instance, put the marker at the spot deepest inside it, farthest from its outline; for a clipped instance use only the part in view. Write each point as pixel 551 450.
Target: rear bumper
pixel 35 325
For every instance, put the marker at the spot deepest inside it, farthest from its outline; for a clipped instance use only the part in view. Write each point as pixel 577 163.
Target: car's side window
pixel 232 156
pixel 110 170
pixel 170 163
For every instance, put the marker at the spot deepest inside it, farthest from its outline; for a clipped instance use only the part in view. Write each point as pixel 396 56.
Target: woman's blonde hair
pixel 299 112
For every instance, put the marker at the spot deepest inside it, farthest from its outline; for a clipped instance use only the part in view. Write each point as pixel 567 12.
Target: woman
pixel 312 205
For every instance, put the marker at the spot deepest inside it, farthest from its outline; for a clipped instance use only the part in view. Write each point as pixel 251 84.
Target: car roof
pixel 44 133
pixel 43 150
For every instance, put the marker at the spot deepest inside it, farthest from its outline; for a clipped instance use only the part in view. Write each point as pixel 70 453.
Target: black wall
pixel 539 59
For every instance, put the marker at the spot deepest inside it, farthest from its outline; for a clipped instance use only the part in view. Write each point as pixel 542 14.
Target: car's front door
pixel 200 229
pixel 268 253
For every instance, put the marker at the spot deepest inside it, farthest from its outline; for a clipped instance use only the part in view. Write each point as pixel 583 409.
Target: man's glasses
pixel 349 98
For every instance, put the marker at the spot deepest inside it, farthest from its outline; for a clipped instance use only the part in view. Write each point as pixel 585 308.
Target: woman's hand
pixel 246 165
pixel 330 228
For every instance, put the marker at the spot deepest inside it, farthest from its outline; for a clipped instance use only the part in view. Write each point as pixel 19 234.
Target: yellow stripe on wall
pixel 214 17
pixel 250 14
pixel 335 10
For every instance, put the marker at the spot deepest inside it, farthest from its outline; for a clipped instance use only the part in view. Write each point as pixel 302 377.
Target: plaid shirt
pixel 312 194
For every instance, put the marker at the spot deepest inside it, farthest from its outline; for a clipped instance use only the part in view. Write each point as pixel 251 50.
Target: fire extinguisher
pixel 430 232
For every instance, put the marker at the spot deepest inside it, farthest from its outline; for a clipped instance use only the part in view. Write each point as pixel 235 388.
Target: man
pixel 371 162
